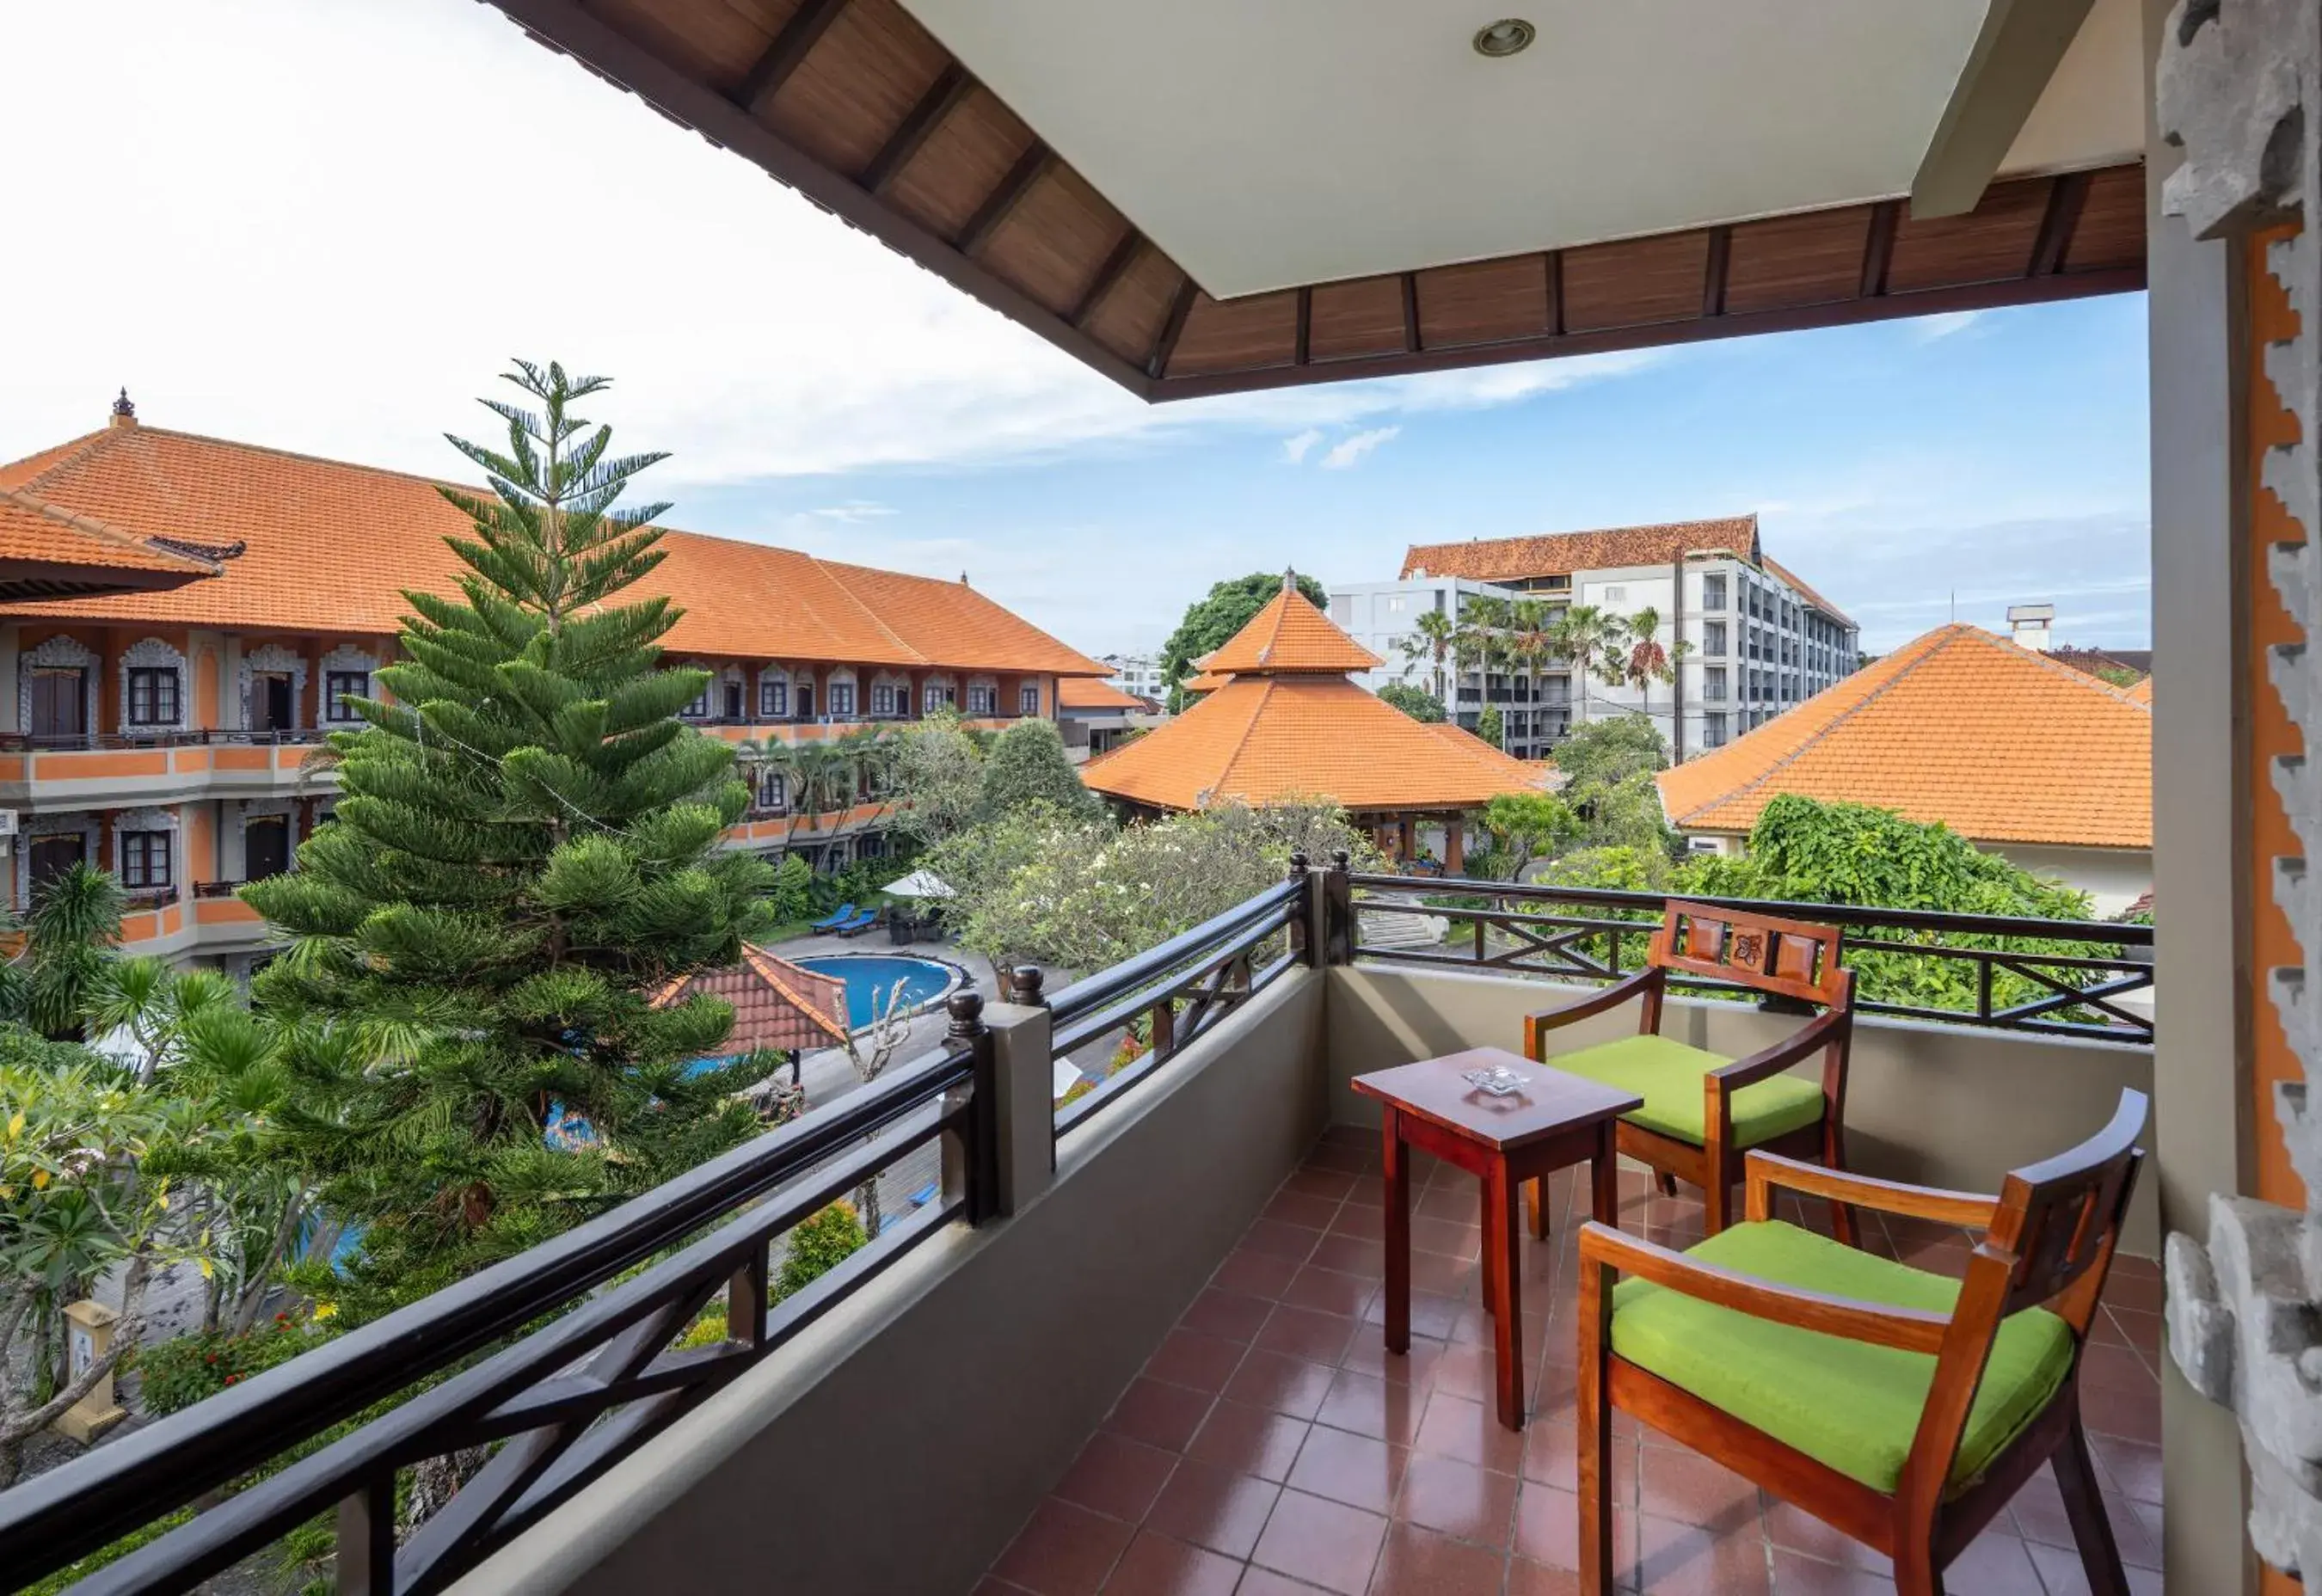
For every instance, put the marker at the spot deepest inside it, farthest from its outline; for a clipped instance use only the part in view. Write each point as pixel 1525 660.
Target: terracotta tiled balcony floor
pixel 1272 1445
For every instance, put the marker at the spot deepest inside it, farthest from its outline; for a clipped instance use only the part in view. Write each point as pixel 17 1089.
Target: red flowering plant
pixel 181 1372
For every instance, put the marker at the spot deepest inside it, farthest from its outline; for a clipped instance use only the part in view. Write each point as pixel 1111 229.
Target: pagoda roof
pixel 1289 634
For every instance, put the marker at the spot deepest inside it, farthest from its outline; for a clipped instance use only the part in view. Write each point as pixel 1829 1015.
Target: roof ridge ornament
pixel 124 414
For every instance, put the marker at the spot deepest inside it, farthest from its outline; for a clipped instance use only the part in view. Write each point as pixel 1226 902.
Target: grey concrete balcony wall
pixel 1941 1104
pixel 897 1445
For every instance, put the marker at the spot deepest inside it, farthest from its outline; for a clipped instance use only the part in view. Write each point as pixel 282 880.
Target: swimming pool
pixel 870 977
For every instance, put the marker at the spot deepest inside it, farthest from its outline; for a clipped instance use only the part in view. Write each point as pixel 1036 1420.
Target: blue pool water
pixel 870 977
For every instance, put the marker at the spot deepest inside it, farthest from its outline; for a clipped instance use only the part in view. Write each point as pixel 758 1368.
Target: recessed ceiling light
pixel 1503 38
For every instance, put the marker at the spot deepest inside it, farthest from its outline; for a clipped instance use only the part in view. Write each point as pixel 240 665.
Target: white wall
pixel 2115 876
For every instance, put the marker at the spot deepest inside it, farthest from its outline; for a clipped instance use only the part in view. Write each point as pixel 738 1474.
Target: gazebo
pixel 777 1004
pixel 1283 722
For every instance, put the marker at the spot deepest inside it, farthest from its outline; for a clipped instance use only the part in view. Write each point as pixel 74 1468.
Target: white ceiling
pixel 1265 143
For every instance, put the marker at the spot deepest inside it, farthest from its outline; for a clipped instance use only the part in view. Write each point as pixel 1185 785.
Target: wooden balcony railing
pixel 1177 990
pixel 2068 974
pixel 529 1354
pixel 85 741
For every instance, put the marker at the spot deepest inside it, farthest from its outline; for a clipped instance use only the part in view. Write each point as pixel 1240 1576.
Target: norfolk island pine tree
pixel 524 853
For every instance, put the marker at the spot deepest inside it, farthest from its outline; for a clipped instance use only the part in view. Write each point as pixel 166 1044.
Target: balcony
pixel 1134 1340
pixel 107 770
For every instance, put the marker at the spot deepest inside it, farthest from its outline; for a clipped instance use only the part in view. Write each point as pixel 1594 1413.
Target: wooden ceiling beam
pixel 942 97
pixel 1114 268
pixel 1001 202
pixel 1713 271
pixel 2066 195
pixel 568 26
pixel 1879 247
pixel 2015 54
pixel 1180 307
pixel 808 24
pixel 1411 341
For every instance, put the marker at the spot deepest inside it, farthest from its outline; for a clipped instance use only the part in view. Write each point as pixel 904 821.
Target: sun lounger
pixel 858 924
pixel 845 913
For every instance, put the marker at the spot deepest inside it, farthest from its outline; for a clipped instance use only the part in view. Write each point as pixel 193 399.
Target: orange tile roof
pixel 330 546
pixel 1086 692
pixel 1998 742
pixel 1289 634
pixel 34 530
pixel 776 1003
pixel 1262 739
pixel 2141 692
pixel 1560 553
pixel 1776 568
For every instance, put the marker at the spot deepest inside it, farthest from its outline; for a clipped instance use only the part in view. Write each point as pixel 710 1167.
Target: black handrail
pixel 2124 933
pixel 1141 970
pixel 52 1520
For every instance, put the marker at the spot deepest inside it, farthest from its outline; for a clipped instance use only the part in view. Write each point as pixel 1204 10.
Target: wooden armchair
pixel 1704 1112
pixel 1902 1408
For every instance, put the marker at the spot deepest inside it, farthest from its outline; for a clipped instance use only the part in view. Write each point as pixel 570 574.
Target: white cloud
pixel 1294 449
pixel 1928 329
pixel 296 218
pixel 855 512
pixel 1348 451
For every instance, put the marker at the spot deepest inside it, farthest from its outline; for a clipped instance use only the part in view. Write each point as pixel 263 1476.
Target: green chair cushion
pixel 1668 1076
pixel 1845 1403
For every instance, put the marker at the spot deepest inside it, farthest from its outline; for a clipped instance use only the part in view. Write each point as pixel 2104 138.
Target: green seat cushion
pixel 1668 1076
pixel 1845 1403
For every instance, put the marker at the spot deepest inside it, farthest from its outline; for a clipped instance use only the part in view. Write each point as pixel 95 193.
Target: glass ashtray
pixel 1498 1082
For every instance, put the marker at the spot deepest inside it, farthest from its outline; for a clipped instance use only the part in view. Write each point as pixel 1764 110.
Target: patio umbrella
pixel 919 883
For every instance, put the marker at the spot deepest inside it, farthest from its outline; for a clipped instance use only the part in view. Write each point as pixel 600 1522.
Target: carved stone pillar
pixel 2236 87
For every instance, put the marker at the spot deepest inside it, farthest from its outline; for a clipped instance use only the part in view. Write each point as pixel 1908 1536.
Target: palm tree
pixel 1431 639
pixel 1590 637
pixel 73 934
pixel 1643 659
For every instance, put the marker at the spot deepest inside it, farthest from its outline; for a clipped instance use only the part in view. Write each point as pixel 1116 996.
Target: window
pixel 883 700
pixel 982 698
pixel 1712 684
pixel 1616 595
pixel 1559 584
pixel 1713 731
pixel 774 699
pixel 934 697
pixel 1712 638
pixel 1713 592
pixel 729 701
pixel 144 859
pixel 338 687
pixel 842 701
pixel 772 792
pixel 153 694
pixel 1394 604
pixel 699 709
pixel 1028 699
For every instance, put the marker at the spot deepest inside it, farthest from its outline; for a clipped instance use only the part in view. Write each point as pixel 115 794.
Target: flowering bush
pixel 181 1371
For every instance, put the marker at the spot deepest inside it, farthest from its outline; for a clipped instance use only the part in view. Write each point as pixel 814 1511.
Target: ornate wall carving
pixel 70 824
pixel 57 653
pixel 153 651
pixel 274 660
pixel 2237 90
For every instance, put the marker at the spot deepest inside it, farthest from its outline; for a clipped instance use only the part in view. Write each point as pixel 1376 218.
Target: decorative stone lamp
pixel 89 1337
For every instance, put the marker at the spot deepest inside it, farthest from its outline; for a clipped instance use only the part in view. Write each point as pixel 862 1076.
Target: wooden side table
pixel 1556 1120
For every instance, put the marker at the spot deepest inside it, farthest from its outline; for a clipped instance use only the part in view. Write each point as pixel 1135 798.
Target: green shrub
pixel 181 1372
pixel 819 1245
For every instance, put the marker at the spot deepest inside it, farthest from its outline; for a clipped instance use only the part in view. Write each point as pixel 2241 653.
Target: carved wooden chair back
pixel 1788 958
pixel 2049 1244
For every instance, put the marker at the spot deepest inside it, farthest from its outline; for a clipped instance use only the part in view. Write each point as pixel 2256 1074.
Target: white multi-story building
pixel 1138 675
pixel 1758 639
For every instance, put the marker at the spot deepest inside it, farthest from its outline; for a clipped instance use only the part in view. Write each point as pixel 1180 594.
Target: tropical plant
pixel 1531 637
pixel 1491 728
pixel 1430 639
pixel 1644 660
pixel 1211 620
pixel 819 1244
pixel 71 935
pixel 526 851
pixel 1523 827
pixel 1589 637
pixel 1415 702
pixel 74 1203
pixel 1028 765
pixel 939 771
pixel 1612 750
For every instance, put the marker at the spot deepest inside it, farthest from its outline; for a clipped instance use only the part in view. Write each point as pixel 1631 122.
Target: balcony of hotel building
pixel 1137 1341
pixel 174 735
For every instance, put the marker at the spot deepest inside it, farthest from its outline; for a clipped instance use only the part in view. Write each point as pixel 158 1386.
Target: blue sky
pixel 262 247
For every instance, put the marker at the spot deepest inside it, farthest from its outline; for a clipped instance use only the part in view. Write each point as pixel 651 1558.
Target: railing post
pixel 366 1540
pixel 1301 924
pixel 1015 1078
pixel 1338 911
